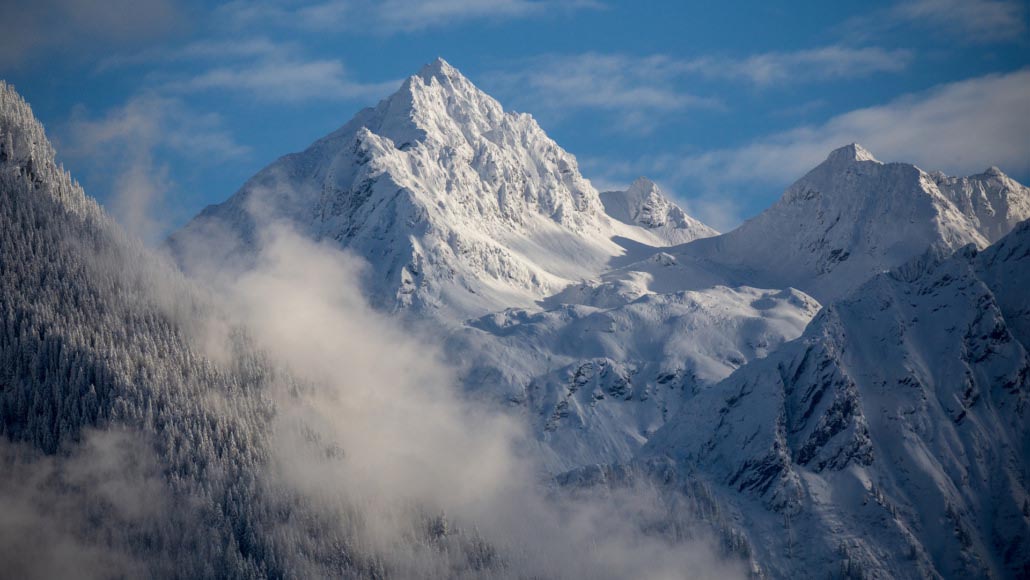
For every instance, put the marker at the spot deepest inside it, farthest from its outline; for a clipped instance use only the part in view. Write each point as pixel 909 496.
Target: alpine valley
pixel 839 387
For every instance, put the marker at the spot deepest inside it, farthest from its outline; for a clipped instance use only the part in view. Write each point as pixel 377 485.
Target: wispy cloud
pixel 637 87
pixel 124 146
pixel 258 67
pixel 975 21
pixel 393 16
pixel 285 80
pixel 407 15
pixel 968 21
pixel 224 50
pixel 150 118
pixel 411 444
pixel 603 81
pixel 828 62
pixel 631 89
pixel 31 30
pixel 960 127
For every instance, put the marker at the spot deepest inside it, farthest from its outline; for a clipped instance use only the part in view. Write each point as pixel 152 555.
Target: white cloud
pixel 267 70
pixel 201 50
pixel 49 508
pixel 977 21
pixel 968 21
pixel 409 15
pixel 635 89
pixel 148 119
pixel 722 212
pixel 286 80
pixel 828 62
pixel 407 444
pixel 31 29
pixel 122 146
pixel 603 81
pixel 639 87
pixel 393 16
pixel 960 127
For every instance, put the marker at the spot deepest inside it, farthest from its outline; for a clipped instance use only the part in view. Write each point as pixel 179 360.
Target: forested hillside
pixel 100 336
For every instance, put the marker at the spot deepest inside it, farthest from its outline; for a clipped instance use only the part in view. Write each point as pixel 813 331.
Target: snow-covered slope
pixel 595 383
pixel 993 201
pixel 645 205
pixel 460 207
pixel 893 438
pixel 845 221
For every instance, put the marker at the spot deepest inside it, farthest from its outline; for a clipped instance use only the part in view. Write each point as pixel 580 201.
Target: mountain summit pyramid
pixel 645 205
pixel 459 205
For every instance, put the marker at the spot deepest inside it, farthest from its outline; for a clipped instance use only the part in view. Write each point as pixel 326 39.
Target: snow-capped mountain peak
pixel 441 104
pixel 853 216
pixel 644 204
pixel 849 154
pixel 443 72
pixel 460 205
pixel 992 201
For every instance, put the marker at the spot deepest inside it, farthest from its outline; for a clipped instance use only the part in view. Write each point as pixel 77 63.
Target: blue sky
pixel 161 107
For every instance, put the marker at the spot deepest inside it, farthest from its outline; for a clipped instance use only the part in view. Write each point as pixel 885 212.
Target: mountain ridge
pixel 644 204
pixel 847 219
pixel 912 393
pixel 461 205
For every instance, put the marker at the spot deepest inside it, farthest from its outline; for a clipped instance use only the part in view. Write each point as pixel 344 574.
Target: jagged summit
pixel 850 153
pixel 853 216
pixel 460 205
pixel 644 204
pixel 439 68
pixel 846 220
pixel 992 201
pixel 843 222
pixel 643 186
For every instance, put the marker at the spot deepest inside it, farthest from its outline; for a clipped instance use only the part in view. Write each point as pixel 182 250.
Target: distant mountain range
pixel 840 384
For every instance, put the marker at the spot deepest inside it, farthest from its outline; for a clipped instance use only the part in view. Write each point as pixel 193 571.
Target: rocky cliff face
pixel 892 434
